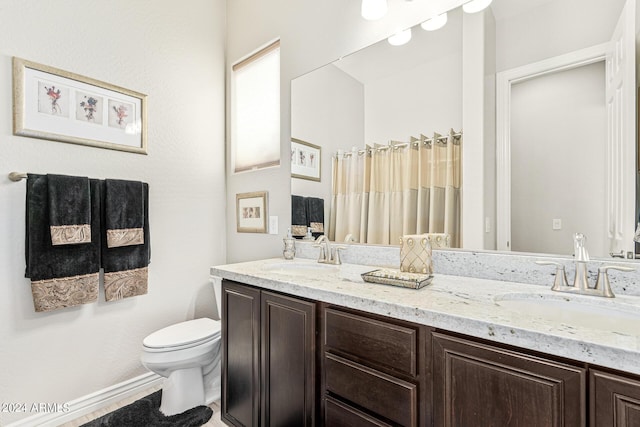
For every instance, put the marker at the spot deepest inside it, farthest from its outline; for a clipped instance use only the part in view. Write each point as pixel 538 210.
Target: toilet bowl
pixel 187 355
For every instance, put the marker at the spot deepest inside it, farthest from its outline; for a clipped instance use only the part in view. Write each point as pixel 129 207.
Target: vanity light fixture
pixel 435 23
pixel 373 9
pixel 476 5
pixel 401 37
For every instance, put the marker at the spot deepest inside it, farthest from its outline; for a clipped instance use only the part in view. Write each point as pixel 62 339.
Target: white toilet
pixel 187 354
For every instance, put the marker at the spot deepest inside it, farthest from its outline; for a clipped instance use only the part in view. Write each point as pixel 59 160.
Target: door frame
pixel 504 81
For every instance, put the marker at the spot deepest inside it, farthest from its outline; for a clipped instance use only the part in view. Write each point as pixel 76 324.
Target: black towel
pixel 69 209
pixel 63 275
pixel 299 222
pixel 124 212
pixel 126 267
pixel 315 215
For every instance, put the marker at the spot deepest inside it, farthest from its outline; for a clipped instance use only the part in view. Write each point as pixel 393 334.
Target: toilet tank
pixel 216 282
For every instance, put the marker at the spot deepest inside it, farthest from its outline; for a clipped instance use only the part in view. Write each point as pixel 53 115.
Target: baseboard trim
pixel 92 402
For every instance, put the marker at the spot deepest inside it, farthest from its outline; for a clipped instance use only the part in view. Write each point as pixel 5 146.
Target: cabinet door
pixel 481 385
pixel 240 354
pixel 614 400
pixel 288 361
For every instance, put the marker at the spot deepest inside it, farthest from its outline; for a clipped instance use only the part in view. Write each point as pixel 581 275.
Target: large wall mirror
pixel 560 158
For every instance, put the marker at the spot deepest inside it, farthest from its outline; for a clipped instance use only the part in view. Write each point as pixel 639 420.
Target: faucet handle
pixel 561 276
pixel 318 242
pixel 336 257
pixel 603 285
pixel 321 238
pixel 322 255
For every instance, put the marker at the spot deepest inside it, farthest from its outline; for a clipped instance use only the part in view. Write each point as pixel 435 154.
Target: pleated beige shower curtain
pixel 388 192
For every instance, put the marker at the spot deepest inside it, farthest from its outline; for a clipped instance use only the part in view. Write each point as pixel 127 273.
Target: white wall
pixel 554 28
pixel 565 139
pixel 312 34
pixel 327 109
pixel 174 54
pixel 424 97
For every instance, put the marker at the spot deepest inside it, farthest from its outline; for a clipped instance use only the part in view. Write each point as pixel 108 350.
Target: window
pixel 255 114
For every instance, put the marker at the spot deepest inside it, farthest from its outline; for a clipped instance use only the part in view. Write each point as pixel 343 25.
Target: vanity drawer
pixel 339 414
pixel 390 397
pixel 381 343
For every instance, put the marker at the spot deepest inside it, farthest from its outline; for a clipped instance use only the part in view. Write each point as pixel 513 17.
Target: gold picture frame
pixel 57 105
pixel 252 212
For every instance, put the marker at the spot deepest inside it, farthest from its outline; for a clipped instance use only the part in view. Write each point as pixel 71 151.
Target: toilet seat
pixel 182 335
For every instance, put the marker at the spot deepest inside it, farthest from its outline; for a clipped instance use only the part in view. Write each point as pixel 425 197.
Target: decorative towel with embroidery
pixel 124 213
pixel 63 275
pixel 126 272
pixel 69 209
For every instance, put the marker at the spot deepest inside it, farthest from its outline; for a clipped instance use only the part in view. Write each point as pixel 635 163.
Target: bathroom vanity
pixel 309 344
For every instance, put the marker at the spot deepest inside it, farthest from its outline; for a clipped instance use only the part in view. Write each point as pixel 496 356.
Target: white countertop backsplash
pixel 494 265
pixel 464 297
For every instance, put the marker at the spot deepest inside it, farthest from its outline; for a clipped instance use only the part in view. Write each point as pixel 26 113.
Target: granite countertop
pixel 572 326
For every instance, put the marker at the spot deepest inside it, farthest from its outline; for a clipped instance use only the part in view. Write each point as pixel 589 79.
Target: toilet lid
pixel 189 332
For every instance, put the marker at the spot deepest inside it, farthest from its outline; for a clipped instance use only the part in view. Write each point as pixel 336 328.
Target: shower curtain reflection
pixel 382 193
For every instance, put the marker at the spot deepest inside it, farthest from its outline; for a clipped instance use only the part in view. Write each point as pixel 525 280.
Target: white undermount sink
pixel 597 313
pixel 300 268
pixel 313 269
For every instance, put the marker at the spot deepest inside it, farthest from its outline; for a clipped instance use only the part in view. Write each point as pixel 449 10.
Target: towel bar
pixel 17 176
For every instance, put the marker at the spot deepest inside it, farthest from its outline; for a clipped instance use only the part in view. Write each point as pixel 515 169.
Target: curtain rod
pixel 414 141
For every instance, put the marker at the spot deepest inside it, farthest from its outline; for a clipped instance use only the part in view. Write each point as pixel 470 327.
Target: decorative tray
pixel 394 277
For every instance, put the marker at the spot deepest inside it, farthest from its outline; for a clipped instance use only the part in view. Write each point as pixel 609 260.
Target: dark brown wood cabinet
pixel 288 371
pixel 476 384
pixel 268 358
pixel 287 361
pixel 614 400
pixel 240 355
pixel 374 370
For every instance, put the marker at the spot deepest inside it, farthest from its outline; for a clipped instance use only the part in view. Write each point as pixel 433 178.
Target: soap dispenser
pixel 289 251
pixel 309 235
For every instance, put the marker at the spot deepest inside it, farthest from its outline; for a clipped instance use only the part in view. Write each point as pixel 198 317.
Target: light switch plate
pixel 557 224
pixel 273 225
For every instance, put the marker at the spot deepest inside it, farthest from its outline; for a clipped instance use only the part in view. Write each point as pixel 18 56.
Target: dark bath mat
pixel 145 412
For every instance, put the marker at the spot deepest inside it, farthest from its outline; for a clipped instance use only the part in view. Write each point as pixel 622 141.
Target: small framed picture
pixel 57 105
pixel 305 160
pixel 251 212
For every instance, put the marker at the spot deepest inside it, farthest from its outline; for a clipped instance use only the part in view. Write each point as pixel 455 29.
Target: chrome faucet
pixel 580 285
pixel 328 254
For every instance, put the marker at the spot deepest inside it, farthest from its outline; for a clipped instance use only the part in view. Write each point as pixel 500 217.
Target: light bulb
pixel 400 38
pixel 373 9
pixel 476 6
pixel 435 23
